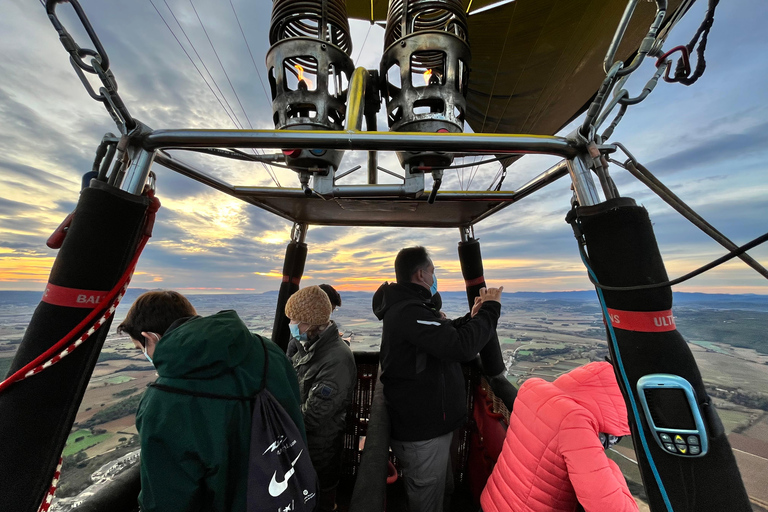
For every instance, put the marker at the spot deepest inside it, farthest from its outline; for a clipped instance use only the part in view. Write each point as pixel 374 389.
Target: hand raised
pixel 491 294
pixel 476 306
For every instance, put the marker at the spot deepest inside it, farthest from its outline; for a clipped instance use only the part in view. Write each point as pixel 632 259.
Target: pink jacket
pixel 552 455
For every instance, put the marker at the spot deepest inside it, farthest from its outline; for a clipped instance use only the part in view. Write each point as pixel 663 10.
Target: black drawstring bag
pixel 281 477
pixel 280 474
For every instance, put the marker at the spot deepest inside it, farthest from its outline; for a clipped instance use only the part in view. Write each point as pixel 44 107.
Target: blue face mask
pixel 433 288
pixel 295 332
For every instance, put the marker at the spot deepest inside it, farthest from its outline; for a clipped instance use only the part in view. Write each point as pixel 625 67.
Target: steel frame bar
pixel 253 194
pixel 365 141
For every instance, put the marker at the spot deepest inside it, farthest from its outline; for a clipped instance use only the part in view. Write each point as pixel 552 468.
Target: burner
pixel 309 68
pixel 426 68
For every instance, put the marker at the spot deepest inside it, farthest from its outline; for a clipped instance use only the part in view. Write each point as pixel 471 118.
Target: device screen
pixel 670 408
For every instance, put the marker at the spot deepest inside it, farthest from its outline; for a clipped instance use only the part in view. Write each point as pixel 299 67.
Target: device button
pixel 682 448
pixel 693 440
pixel 679 439
pixel 694 450
pixel 670 447
pixel 665 437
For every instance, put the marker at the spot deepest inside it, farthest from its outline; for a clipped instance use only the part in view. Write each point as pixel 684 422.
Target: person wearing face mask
pixel 421 356
pixel 335 298
pixel 327 375
pixel 194 422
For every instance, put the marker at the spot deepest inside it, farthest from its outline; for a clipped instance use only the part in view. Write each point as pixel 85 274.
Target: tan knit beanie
pixel 309 305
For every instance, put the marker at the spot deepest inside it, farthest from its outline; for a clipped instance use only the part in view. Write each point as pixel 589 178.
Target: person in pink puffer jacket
pixel 553 458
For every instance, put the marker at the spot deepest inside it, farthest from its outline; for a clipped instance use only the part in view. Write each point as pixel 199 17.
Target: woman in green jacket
pixel 327 375
pixel 195 449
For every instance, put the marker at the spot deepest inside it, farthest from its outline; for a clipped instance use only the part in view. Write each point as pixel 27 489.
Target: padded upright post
pixel 37 413
pixel 643 340
pixel 472 269
pixel 293 269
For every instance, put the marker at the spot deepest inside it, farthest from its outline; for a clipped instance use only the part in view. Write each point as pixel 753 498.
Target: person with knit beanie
pixel 335 298
pixel 327 375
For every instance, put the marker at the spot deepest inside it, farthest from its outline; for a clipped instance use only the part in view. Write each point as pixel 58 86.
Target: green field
pixel 5 365
pixel 118 379
pixel 732 419
pixel 88 440
pixel 710 346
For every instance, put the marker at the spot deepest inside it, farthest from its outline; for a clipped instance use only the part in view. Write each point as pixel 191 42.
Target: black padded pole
pixel 36 414
pixel 622 251
pixel 472 269
pixel 293 269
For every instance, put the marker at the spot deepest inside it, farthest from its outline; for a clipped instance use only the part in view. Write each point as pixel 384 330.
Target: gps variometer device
pixel 670 406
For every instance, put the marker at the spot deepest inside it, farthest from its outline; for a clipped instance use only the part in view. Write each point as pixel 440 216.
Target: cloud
pixel 707 142
pixel 715 150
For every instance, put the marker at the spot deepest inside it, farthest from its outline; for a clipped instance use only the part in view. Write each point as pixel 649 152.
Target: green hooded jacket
pixel 195 450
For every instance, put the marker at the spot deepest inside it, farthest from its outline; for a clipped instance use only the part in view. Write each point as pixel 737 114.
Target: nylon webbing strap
pixel 623 253
pixel 642 321
pixel 72 297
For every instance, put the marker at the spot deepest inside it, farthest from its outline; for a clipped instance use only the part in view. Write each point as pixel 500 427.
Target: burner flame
pixel 427 76
pixel 301 76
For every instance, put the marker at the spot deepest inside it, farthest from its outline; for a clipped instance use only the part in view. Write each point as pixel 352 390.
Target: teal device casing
pixel 673 414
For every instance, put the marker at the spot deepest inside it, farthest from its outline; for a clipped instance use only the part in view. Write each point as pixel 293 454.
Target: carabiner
pixel 683 56
pixel 68 41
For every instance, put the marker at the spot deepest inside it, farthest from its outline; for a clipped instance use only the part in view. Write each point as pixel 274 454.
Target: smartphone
pixel 673 414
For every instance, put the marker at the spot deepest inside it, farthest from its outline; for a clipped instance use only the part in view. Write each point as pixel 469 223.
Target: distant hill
pixel 712 300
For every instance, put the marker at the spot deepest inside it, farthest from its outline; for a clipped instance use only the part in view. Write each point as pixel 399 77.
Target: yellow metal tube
pixel 356 100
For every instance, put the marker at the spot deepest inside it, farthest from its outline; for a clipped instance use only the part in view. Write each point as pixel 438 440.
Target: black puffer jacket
pixel 421 358
pixel 327 375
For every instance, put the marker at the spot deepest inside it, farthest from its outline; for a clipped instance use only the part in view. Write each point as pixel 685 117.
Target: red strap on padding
pixel 642 321
pixel 57 237
pixel 295 280
pixel 73 297
pixel 154 206
pixel 474 282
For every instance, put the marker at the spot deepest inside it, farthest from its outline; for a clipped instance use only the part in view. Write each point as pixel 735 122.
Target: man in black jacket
pixel 421 356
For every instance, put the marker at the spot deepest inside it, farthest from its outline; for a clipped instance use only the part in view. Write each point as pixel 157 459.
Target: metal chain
pixel 99 65
pixel 617 75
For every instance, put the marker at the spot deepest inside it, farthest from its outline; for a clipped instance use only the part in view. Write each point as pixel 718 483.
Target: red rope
pixel 48 500
pixel 113 298
pixel 54 354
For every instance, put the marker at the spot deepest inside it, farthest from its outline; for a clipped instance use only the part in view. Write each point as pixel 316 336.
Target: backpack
pixel 280 473
pixel 281 477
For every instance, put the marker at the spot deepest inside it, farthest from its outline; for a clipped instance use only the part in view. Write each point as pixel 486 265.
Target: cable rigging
pixel 258 73
pixel 237 97
pixel 192 61
pixel 229 111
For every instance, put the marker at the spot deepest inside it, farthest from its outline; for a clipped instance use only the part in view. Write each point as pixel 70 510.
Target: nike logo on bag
pixel 274 446
pixel 277 488
pixel 427 322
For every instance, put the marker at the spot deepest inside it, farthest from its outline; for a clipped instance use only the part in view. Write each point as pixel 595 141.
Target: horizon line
pixel 241 291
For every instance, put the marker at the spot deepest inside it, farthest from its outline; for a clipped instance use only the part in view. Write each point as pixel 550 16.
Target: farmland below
pixel 541 335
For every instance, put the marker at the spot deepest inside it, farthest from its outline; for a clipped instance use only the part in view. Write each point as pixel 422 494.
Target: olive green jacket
pixel 327 375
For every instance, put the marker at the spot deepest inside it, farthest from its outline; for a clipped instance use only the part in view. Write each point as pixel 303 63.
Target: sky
pixel 708 143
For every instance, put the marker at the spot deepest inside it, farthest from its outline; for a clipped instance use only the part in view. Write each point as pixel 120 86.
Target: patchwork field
pixel 83 439
pixel 540 338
